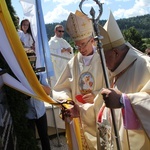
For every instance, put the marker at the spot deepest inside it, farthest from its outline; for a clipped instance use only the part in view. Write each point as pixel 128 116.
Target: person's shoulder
pixel 146 59
pixel 141 59
pixel 64 40
pixel 52 40
pixel 21 34
pixel 20 31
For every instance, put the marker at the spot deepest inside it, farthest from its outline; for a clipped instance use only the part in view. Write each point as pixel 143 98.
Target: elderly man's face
pixel 111 57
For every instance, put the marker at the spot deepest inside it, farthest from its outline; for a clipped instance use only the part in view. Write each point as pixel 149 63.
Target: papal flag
pixel 15 56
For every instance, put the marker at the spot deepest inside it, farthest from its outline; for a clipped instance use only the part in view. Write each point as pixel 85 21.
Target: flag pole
pixel 38 10
pixel 98 38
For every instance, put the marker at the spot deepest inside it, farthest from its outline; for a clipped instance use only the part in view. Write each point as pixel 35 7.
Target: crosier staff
pixel 98 38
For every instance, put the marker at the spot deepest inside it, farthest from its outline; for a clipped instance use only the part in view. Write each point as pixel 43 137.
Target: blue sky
pixel 58 10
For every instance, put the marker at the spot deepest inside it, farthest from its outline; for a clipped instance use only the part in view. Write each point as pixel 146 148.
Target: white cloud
pixel 63 2
pixel 107 2
pixel 66 2
pixel 141 7
pixel 86 7
pixel 63 8
pixel 123 0
pixel 59 13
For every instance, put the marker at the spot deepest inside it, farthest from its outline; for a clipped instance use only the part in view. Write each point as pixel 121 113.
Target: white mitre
pixel 79 26
pixel 111 33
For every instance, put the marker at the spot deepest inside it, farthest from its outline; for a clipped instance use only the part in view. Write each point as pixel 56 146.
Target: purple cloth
pixel 130 119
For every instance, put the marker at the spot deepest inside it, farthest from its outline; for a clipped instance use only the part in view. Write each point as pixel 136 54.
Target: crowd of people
pixel 80 78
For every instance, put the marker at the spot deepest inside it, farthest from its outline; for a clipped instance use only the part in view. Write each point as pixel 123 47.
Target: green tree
pixel 147 42
pixel 134 37
pixel 12 13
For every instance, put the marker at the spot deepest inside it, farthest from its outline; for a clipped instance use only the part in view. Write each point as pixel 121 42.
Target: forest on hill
pixel 140 23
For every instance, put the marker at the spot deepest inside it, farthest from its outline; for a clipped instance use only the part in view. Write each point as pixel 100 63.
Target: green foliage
pixel 146 42
pixel 12 13
pixel 141 23
pixel 138 26
pixel 134 37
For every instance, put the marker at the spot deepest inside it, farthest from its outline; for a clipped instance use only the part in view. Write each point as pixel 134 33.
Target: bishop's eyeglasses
pixel 82 45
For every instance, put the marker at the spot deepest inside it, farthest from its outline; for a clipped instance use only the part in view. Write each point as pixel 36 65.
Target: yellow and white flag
pixel 15 56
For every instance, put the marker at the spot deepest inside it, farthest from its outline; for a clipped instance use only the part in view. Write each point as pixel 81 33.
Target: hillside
pixel 141 23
